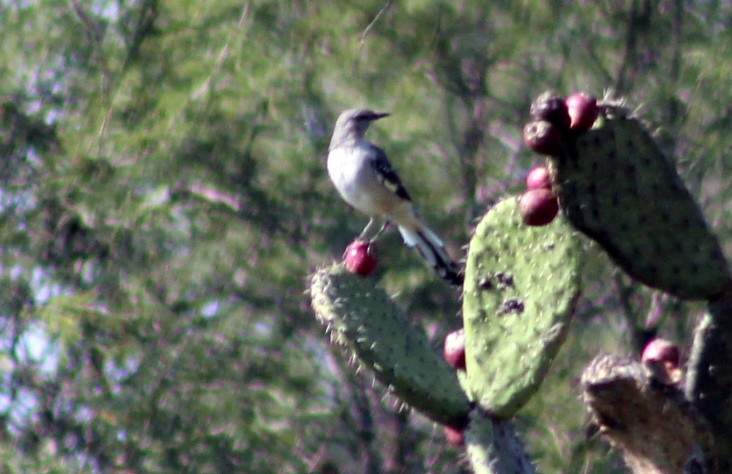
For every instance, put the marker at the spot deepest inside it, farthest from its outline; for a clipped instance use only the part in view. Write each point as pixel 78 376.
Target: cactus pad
pixel 520 288
pixel 616 185
pixel 362 318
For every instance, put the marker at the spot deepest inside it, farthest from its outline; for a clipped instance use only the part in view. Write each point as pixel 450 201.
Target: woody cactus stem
pixel 709 379
pixel 646 418
pixel 494 448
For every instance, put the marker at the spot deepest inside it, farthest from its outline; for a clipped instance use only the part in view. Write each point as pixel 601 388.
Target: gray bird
pixel 365 179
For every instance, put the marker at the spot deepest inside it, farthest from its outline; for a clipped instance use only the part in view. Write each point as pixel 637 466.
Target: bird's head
pixel 353 124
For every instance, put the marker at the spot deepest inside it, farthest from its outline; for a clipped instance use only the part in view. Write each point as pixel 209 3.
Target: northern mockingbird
pixel 365 179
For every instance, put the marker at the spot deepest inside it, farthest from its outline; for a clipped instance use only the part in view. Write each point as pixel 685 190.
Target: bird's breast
pixel 355 179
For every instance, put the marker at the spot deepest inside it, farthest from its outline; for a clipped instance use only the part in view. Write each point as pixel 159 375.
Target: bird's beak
pixel 381 115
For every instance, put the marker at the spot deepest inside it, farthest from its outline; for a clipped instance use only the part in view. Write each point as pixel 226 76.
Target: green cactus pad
pixel 361 317
pixel 616 185
pixel 521 284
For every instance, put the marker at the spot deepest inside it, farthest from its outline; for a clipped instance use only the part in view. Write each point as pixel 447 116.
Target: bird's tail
pixel 432 249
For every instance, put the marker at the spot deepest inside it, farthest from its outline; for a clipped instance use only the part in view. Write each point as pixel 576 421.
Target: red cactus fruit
pixel 543 137
pixel 551 107
pixel 539 177
pixel 454 436
pixel 360 258
pixel 661 350
pixel 538 206
pixel 454 349
pixel 583 111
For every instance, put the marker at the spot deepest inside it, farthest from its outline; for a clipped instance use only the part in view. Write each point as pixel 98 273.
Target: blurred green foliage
pixel 163 197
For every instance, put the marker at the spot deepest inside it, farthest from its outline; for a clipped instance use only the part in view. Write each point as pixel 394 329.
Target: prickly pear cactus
pixel 521 284
pixel 617 186
pixel 362 318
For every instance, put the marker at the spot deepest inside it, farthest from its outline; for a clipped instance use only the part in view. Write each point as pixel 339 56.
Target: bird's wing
pixel 387 175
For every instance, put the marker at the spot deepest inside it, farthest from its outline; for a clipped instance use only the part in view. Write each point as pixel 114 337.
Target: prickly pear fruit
pixel 543 137
pixel 661 350
pixel 454 349
pixel 454 436
pixel 551 107
pixel 539 177
pixel 538 206
pixel 583 112
pixel 360 258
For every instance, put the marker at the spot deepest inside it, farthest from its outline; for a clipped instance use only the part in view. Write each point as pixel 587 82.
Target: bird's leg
pixel 366 230
pixel 381 229
pixel 369 229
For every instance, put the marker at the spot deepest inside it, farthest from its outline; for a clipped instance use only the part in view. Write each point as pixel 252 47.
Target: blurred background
pixel 163 198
